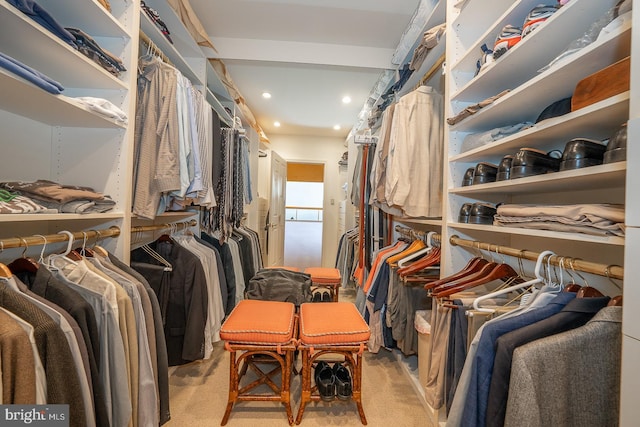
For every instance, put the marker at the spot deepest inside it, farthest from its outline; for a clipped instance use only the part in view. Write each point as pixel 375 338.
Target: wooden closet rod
pixel 16 242
pixel 611 271
pixel 177 226
pixel 435 67
pixel 156 50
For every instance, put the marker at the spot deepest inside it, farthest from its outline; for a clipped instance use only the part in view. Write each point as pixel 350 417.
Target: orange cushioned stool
pixel 265 334
pixel 333 328
pixel 326 278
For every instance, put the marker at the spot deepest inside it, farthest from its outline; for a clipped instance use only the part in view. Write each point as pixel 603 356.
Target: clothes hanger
pixel 474 265
pixel 477 274
pixel 4 270
pixel 538 279
pixel 616 300
pixel 99 249
pixel 572 286
pixel 419 252
pixel 24 264
pixel 585 291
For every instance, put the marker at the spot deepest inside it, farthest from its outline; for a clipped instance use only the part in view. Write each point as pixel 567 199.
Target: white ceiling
pixel 308 54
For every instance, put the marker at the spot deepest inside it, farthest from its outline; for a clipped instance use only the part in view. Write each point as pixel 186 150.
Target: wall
pixel 325 150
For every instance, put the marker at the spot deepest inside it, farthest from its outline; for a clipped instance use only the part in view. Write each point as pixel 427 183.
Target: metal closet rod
pixel 16 242
pixel 611 271
pixel 177 226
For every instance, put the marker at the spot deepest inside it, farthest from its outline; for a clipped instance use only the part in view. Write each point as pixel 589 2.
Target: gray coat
pixel 570 379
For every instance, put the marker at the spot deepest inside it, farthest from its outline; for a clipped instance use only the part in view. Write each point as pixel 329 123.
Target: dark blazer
pixel 186 312
pixel 575 314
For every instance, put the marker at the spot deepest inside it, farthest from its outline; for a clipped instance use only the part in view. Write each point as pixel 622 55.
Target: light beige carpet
pixel 199 397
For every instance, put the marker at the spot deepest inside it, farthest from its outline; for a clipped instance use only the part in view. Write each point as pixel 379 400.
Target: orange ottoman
pixel 265 333
pixel 335 328
pixel 326 278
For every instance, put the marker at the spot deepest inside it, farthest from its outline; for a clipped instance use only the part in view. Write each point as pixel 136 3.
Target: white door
pixel 276 210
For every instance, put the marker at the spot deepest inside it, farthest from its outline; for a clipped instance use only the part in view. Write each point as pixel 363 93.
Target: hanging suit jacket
pixel 187 300
pixel 63 385
pixel 588 361
pixel 575 314
pixel 18 366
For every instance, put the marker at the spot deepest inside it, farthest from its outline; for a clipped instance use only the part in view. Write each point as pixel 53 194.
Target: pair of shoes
pixel 321 296
pixel 477 213
pixel 529 162
pixel 582 153
pixel 482 173
pixel 333 381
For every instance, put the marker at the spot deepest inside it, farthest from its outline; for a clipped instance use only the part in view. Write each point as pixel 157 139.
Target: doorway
pixel 304 215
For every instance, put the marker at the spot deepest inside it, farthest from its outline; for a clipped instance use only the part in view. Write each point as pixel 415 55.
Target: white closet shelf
pixel 38 48
pixel 514 15
pixel 596 121
pixel 59 217
pixel 89 16
pixel 182 39
pixel 219 108
pixel 176 56
pixel 25 99
pixel 611 175
pixel 407 220
pixel 547 87
pixel 535 51
pixel 216 86
pixel 473 17
pixel 577 237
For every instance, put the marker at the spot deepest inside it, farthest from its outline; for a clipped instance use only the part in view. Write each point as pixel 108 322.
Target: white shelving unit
pixel 518 70
pixel 55 137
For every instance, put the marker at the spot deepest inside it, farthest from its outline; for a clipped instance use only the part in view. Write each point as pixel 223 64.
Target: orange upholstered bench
pixel 264 332
pixel 325 278
pixel 336 329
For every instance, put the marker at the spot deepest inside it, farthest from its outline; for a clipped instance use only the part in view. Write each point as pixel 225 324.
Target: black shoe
pixel 482 213
pixel 465 211
pixel 485 172
pixel 325 381
pixel 344 387
pixel 504 168
pixel 467 179
pixel 326 297
pixel 617 146
pixel 582 153
pixel 529 162
pixel 317 297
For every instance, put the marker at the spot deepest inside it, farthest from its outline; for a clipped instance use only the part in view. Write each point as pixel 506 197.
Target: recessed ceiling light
pixel 336 127
pixel 276 124
pixel 346 99
pixel 266 95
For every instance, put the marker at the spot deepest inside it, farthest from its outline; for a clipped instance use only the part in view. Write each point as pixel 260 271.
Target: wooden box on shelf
pixel 603 84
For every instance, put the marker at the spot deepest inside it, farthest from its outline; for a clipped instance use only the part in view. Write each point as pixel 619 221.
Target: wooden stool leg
pixel 305 395
pixel 357 387
pixel 286 386
pixel 233 386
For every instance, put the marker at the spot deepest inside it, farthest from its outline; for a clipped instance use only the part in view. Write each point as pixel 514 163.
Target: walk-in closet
pixel 466 166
